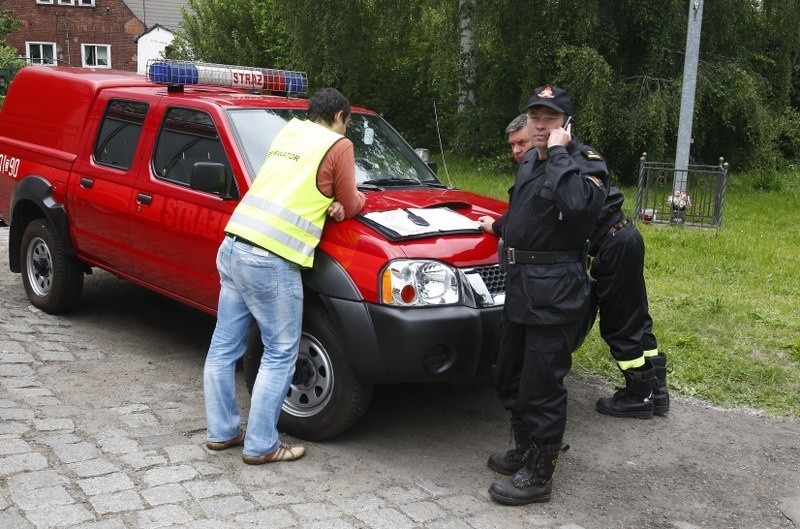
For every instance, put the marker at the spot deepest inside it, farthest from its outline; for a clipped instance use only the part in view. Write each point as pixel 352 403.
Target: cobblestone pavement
pixel 102 427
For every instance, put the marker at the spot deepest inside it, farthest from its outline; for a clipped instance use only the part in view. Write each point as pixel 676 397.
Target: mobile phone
pixel 567 122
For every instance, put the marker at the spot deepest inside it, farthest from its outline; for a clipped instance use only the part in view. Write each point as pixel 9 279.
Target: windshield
pixel 383 158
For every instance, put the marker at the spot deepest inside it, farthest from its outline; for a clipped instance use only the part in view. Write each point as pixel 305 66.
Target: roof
pixel 164 13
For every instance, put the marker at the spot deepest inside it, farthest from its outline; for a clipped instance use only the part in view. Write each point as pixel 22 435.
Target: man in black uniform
pixel 625 323
pixel 553 207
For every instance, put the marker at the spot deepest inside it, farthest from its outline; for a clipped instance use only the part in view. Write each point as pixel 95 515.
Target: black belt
pixel 236 238
pixel 514 256
pixel 618 226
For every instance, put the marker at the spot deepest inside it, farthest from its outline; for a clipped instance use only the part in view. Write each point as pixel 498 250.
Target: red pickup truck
pixel 138 175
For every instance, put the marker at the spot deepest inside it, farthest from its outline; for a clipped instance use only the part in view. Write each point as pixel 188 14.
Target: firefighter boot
pixel 533 483
pixel 509 462
pixel 635 399
pixel 661 391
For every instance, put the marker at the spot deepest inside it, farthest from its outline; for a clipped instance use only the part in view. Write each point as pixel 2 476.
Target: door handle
pixel 141 198
pixel 86 183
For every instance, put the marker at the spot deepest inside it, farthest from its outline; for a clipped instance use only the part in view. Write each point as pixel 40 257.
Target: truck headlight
pixel 418 283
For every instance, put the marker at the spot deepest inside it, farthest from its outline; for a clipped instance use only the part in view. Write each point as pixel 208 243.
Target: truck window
pixel 187 136
pixel 119 133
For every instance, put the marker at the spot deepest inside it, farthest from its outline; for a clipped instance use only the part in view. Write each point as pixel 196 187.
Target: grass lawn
pixel 725 303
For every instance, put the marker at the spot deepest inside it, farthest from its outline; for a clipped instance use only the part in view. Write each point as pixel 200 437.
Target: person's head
pixel 547 109
pixel 330 108
pixel 518 136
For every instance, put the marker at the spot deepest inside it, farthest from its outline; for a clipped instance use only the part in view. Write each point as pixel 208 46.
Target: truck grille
pixel 493 277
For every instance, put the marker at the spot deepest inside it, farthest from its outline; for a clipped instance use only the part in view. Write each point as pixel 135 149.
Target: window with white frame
pixel 44 1
pixel 41 52
pixel 96 55
pixel 66 2
pixel 89 3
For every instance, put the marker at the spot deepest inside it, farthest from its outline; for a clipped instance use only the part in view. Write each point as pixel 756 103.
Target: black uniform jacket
pixel 610 214
pixel 553 206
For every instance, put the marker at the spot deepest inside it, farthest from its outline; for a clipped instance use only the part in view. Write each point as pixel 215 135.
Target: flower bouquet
pixel 679 202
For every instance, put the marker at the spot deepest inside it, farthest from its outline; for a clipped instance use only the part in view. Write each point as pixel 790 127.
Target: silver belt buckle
pixel 511 256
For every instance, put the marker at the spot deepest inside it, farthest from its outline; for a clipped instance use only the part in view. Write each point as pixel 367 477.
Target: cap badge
pixel 547 93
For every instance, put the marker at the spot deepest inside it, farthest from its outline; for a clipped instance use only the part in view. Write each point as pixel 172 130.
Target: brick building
pixel 88 33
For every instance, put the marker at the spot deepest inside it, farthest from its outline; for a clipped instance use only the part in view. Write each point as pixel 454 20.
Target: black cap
pixel 552 97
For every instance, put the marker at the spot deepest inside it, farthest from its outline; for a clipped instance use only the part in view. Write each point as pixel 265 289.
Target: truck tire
pixel 324 399
pixel 53 280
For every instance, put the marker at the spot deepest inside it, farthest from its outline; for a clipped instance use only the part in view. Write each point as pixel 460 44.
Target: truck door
pixel 101 185
pixel 175 230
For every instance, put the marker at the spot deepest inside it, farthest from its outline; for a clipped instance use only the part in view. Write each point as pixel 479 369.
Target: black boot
pixel 533 483
pixel 661 391
pixel 509 462
pixel 635 399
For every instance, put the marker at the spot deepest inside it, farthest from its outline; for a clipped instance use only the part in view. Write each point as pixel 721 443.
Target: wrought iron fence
pixel 690 197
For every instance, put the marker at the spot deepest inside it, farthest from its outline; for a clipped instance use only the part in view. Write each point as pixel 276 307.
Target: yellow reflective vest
pixel 284 211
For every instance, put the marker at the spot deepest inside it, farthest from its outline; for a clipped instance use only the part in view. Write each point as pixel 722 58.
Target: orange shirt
pixel 337 178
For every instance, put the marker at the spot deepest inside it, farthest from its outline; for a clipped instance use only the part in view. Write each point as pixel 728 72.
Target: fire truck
pixel 138 174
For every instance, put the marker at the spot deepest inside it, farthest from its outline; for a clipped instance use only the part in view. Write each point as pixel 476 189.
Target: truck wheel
pixel 53 280
pixel 324 399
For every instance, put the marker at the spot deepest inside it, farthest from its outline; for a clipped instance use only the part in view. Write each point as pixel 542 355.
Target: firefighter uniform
pixel 625 322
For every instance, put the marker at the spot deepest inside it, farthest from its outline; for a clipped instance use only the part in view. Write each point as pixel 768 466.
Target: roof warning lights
pixel 173 72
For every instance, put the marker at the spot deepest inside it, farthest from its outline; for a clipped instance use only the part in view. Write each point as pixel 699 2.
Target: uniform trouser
pixel 621 295
pixel 529 375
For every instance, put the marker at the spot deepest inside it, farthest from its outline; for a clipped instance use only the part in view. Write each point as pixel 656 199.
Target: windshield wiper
pixel 395 181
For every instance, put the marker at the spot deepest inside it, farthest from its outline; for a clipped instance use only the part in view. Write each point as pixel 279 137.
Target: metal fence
pixel 690 197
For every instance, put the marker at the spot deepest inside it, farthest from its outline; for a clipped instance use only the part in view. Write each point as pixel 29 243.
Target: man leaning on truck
pixel 309 172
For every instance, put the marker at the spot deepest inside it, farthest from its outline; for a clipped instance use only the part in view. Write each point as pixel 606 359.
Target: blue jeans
pixel 254 284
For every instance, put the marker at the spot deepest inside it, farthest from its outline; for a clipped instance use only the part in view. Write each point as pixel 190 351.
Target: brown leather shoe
pixel 284 452
pixel 222 445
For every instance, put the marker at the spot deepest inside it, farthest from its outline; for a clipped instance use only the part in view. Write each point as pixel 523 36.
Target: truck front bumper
pixel 389 344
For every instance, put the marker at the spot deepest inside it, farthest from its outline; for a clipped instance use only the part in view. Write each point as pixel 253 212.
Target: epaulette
pixel 591 154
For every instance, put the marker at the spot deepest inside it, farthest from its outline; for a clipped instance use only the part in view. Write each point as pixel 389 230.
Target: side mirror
pixel 213 177
pixel 425 156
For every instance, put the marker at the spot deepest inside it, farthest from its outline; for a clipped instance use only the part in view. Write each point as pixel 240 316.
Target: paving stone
pixel 70 453
pixel 138 420
pixel 16 414
pixel 163 516
pixel 12 520
pixel 272 518
pixel 423 511
pixel 226 506
pixel 16 370
pixel 385 519
pixel 13 427
pixel 59 516
pixel 359 503
pixel 43 497
pixel 13 384
pixel 330 524
pixel 165 494
pixel 51 346
pixel 115 502
pixel 55 356
pixel 450 523
pixel 14 446
pixel 8 403
pixel 182 453
pixel 48 425
pixel 16 357
pixel 105 524
pixel 172 474
pixel 92 467
pixel 36 480
pixel 315 511
pixel 206 489
pixel 21 463
pixel 462 504
pixel 402 495
pixel 140 460
pixel 105 484
pixel 118 445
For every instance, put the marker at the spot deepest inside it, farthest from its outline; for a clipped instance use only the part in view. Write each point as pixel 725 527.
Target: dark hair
pixel 325 103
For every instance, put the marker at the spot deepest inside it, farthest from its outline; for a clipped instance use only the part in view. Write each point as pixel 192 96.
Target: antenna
pixel 441 148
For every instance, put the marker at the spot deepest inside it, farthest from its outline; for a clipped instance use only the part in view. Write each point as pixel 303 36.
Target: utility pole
pixel 684 144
